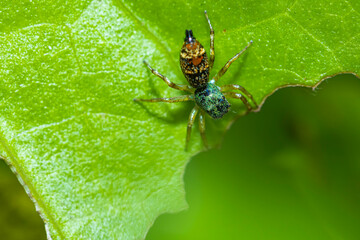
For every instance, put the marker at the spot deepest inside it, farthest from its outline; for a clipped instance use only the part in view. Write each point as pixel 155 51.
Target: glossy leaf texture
pixel 100 166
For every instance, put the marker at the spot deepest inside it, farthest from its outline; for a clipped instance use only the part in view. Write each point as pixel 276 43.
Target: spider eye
pixel 189 37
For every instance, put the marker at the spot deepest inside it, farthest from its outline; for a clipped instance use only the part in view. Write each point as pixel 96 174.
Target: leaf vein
pixel 349 41
pixel 46 126
pixel 284 70
pixel 317 40
pixel 349 4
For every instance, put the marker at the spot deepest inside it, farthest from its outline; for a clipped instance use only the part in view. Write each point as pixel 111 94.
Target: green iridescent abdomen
pixel 212 101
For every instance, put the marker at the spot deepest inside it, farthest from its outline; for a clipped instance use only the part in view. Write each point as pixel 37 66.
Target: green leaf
pixel 302 172
pixel 98 165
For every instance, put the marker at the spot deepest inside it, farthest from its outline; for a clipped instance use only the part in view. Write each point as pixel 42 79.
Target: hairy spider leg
pixel 182 98
pixel 168 82
pixel 202 128
pixel 191 121
pixel 227 65
pixel 241 97
pixel 241 89
pixel 212 36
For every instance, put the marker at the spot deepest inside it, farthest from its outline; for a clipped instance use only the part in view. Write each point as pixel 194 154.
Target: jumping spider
pixel 208 97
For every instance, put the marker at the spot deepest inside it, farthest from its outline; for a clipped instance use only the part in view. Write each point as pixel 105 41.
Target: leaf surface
pixel 98 165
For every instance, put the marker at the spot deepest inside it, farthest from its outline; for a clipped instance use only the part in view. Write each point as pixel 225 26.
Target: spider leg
pixel 241 97
pixel 202 128
pixel 240 88
pixel 182 98
pixel 191 121
pixel 168 82
pixel 227 65
pixel 212 36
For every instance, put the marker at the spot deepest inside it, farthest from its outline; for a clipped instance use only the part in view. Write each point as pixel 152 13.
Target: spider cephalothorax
pixel 208 97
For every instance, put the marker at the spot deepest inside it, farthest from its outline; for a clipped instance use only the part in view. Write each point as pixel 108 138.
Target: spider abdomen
pixel 212 101
pixel 194 62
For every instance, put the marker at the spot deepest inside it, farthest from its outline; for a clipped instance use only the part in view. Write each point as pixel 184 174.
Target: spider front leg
pixel 240 88
pixel 168 82
pixel 182 98
pixel 212 36
pixel 241 97
pixel 227 65
pixel 192 117
pixel 202 128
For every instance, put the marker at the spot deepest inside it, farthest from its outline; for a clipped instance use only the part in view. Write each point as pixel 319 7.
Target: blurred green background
pixel 291 171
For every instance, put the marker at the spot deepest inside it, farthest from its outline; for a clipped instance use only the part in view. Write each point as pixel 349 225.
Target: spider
pixel 208 97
